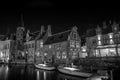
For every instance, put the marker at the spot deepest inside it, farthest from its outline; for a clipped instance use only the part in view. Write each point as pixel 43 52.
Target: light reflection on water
pixel 3 72
pixel 22 72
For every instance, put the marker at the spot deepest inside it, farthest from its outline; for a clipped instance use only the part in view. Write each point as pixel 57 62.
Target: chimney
pixel 98 30
pixel 49 30
pixel 42 29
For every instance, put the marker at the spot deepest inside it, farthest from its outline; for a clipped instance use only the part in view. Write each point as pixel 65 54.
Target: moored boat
pixel 74 71
pixel 45 66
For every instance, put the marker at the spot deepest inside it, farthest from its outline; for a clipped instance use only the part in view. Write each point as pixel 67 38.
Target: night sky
pixel 61 15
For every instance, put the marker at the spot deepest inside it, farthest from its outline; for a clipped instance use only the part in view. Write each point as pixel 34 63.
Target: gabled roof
pixel 34 35
pixel 6 37
pixel 41 36
pixel 59 37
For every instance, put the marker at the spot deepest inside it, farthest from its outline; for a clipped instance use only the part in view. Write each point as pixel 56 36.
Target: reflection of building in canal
pixel 62 76
pixel 105 42
pixel 4 72
pixel 45 75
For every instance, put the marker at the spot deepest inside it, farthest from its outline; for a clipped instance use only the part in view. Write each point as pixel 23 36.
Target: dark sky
pixel 61 15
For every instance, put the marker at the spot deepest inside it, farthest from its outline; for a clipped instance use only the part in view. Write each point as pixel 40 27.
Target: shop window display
pixel 104 52
pixel 97 53
pixel 112 52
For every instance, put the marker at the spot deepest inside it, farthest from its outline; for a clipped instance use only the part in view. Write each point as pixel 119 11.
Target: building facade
pixel 6 48
pixel 59 47
pixel 106 42
pixel 19 54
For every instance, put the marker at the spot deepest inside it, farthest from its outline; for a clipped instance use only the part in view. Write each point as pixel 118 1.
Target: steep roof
pixel 6 37
pixel 59 37
pixel 41 36
pixel 34 35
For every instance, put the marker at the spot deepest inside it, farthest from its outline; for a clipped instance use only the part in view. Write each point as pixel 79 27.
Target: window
pixel 58 55
pixel 112 52
pixel 75 35
pixel 72 43
pixel 50 46
pixel 64 55
pixel 111 38
pixel 41 44
pixel 99 40
pixel 118 51
pixel 32 45
pixel 77 44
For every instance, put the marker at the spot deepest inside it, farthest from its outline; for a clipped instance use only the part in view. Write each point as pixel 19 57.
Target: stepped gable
pixel 59 37
pixel 34 35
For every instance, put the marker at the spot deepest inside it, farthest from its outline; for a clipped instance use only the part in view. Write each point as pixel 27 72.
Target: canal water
pixel 22 72
pixel 29 72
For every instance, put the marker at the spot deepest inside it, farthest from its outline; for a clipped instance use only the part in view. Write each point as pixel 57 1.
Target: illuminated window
pixel 118 51
pixel 99 43
pixel 111 41
pixel 72 44
pixel 71 49
pixel 99 37
pixel 83 49
pixel 112 52
pixel 41 44
pixel 104 52
pixel 58 55
pixel 64 55
pixel 49 46
pixel 110 35
pixel 77 44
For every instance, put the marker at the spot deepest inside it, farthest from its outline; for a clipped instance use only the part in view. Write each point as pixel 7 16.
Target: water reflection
pixel 24 72
pixel 68 77
pixel 46 75
pixel 3 72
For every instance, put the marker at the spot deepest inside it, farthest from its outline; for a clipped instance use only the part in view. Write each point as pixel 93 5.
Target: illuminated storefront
pixel 107 41
pixel 83 52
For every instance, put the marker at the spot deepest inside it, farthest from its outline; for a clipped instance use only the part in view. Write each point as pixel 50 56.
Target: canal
pixel 29 72
pixel 23 72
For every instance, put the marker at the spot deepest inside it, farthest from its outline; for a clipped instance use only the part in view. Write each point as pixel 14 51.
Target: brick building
pixel 59 47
